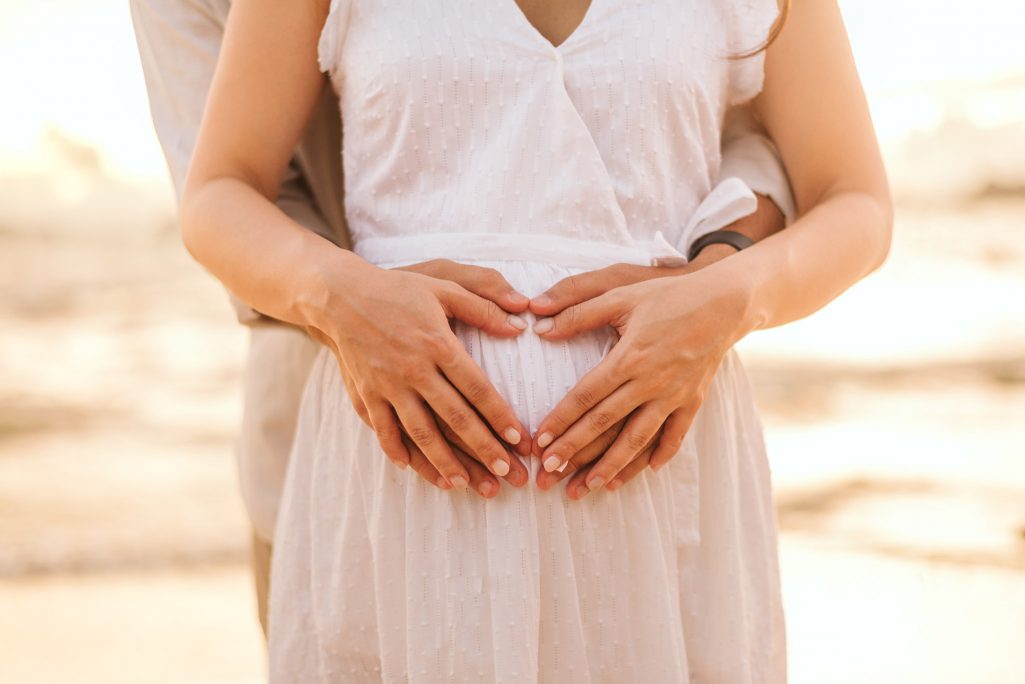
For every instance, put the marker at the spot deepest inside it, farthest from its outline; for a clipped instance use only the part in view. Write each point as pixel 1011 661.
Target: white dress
pixel 469 136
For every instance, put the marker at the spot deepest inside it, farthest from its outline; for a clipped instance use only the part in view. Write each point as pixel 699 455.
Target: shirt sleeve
pixel 749 154
pixel 179 41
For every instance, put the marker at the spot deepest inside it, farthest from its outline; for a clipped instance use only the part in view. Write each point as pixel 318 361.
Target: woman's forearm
pixel 801 269
pixel 263 256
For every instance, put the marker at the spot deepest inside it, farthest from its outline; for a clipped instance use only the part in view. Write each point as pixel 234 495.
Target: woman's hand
pixel 767 220
pixel 404 365
pixel 674 333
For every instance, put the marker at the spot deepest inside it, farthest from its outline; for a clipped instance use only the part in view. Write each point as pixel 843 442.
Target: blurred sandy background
pixel 895 419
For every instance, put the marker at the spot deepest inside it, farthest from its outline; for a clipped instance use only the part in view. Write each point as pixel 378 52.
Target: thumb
pixel 479 312
pixel 606 309
pixel 574 290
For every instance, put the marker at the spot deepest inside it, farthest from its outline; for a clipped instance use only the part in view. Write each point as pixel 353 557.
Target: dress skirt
pixel 380 577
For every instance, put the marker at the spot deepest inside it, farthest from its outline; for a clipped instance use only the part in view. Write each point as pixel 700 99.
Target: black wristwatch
pixel 724 237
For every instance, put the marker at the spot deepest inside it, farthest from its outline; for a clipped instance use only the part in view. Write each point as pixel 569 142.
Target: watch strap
pixel 732 238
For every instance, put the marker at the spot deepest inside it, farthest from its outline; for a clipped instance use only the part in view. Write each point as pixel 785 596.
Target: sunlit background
pixel 895 418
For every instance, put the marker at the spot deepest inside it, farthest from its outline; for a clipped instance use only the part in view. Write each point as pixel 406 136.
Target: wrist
pixel 711 254
pixel 326 287
pixel 731 294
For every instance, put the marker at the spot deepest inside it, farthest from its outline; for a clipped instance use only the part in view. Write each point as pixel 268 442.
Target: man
pixel 179 41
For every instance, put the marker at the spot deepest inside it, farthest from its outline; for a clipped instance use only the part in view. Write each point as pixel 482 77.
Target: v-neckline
pixel 540 36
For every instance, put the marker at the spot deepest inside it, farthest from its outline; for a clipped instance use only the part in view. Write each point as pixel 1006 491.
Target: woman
pixel 543 141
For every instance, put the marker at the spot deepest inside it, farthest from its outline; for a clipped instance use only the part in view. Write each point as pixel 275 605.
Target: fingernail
pixel 516 299
pixel 545 439
pixel 517 322
pixel 582 490
pixel 458 481
pixel 485 488
pixel 551 463
pixel 595 483
pixel 402 465
pixel 512 435
pixel 544 325
pixel 562 467
pixel 499 467
pixel 443 483
pixel 542 300
pixel 518 478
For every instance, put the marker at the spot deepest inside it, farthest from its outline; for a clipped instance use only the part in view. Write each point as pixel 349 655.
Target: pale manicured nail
pixel 544 325
pixel 485 488
pixel 517 322
pixel 562 467
pixel 542 300
pixel 500 467
pixel 544 439
pixel 458 481
pixel 443 483
pixel 512 435
pixel 595 483
pixel 551 463
pixel 518 299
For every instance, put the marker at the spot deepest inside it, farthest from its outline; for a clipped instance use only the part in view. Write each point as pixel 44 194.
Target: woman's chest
pixel 479 52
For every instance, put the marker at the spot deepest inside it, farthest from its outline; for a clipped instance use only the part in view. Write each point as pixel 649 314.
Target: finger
pixel 482 281
pixel 577 487
pixel 574 290
pixel 389 434
pixel 517 475
pixel 475 386
pixel 490 284
pixel 358 405
pixel 422 467
pixel 676 427
pixel 597 384
pixel 546 480
pixel 423 431
pixel 478 312
pixel 592 314
pixel 591 426
pixel 481 481
pixel 638 432
pixel 633 468
pixel 473 433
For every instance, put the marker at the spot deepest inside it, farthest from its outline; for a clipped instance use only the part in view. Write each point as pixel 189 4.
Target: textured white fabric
pixel 465 131
pixel 749 155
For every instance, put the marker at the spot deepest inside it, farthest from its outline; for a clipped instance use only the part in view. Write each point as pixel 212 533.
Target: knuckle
pixel 490 310
pixel 583 398
pixel 599 420
pixel 477 391
pixel 568 318
pixel 422 435
pixel 635 440
pixel 458 418
pixel 488 452
pixel 491 276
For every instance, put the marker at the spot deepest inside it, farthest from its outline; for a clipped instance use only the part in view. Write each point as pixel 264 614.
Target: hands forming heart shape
pixel 434 410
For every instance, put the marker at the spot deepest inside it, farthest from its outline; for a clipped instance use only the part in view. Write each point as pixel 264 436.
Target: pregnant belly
pixel 531 373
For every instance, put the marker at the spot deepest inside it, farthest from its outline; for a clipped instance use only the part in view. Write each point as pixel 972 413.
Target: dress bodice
pixel 459 116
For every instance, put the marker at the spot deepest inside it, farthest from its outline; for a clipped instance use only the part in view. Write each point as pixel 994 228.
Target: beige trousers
pixel 179 41
pixel 279 361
